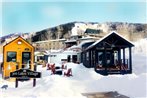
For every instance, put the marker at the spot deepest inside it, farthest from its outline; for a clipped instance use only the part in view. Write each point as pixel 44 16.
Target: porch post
pixel 96 58
pixel 105 60
pixel 130 59
pixel 119 58
pixel 124 56
pixel 90 58
pixel 84 58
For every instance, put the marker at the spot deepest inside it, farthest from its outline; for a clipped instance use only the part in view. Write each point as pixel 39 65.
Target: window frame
pixel 11 59
pixel 23 57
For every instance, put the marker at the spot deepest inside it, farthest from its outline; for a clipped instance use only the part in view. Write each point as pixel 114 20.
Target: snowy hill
pixel 132 31
pixel 84 80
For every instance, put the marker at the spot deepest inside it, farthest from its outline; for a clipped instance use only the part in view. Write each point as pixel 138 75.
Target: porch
pixel 119 68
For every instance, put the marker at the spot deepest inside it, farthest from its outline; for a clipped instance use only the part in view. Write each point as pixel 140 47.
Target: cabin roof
pixel 19 38
pixel 130 44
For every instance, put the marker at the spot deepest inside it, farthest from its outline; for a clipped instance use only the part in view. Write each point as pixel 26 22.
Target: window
pixel 11 56
pixel 26 57
pixel 74 58
pixel 108 56
pixel 100 58
pixel 87 56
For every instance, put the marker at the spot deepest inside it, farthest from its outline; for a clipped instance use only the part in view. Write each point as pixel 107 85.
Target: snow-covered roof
pixel 87 37
pixel 84 42
pixel 106 37
pixel 70 41
pixel 74 46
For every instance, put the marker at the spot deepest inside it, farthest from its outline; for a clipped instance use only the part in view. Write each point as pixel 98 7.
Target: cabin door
pixel 26 59
pixel 108 60
pixel 68 58
pixel 100 58
pixel 74 58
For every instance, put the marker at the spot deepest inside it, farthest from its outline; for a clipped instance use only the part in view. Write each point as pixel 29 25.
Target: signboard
pixel 25 74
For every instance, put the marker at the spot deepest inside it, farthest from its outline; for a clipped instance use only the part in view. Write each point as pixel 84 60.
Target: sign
pixel 25 74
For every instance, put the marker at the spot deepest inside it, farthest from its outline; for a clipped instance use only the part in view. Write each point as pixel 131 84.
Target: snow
pixel 84 42
pixel 74 31
pixel 78 28
pixel 140 47
pixel 84 80
pixel 1 59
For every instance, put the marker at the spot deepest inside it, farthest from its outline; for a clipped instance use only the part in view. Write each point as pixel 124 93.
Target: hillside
pixel 132 31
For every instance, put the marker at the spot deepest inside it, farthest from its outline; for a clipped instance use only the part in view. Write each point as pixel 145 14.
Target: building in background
pixel 49 45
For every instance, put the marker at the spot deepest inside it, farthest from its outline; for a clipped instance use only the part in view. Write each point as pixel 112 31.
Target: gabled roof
pixel 89 30
pixel 113 32
pixel 19 38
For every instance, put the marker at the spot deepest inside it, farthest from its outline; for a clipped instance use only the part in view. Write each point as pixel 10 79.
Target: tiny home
pixel 108 55
pixel 64 56
pixel 17 54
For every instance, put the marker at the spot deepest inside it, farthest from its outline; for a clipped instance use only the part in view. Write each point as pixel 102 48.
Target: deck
pixel 120 69
pixel 111 94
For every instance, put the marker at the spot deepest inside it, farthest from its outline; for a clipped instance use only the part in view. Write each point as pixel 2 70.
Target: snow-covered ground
pixel 1 57
pixel 84 80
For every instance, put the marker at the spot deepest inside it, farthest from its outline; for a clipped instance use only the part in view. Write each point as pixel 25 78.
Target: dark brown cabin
pixel 108 55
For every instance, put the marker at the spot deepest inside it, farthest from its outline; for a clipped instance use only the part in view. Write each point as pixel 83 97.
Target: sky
pixel 32 16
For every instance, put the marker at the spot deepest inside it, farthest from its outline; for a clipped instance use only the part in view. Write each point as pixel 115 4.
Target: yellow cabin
pixel 16 55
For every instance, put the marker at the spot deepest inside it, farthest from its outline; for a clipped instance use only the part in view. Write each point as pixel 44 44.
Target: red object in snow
pixel 50 66
pixel 63 66
pixel 68 73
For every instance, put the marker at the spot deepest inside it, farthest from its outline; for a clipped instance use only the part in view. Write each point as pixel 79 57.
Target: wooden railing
pixel 124 64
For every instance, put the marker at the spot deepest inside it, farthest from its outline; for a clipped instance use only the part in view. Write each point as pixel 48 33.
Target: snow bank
pixel 1 57
pixel 140 47
pixel 139 57
pixel 83 80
